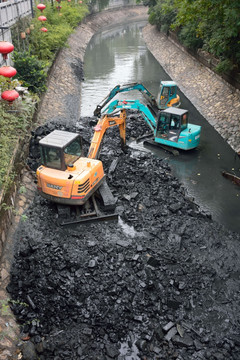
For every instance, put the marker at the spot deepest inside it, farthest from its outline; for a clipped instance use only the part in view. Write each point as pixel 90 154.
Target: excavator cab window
pixel 173 91
pixel 51 157
pixel 164 95
pixel 175 122
pixel 184 121
pixel 60 149
pixel 60 158
pixel 163 125
pixel 72 152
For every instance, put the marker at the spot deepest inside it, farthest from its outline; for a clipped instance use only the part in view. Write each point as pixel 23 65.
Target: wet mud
pixel 161 283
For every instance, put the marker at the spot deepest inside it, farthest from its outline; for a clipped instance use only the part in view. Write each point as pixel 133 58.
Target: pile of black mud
pixel 161 283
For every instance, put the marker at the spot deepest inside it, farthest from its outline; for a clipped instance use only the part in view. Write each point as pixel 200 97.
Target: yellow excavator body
pixel 72 187
pixel 67 177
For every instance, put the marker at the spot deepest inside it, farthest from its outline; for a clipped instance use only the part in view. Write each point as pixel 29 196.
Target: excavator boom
pixel 170 127
pixel 103 124
pixel 125 88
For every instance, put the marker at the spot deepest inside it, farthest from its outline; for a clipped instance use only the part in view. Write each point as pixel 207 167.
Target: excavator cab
pixel 60 149
pixel 65 175
pixel 167 95
pixel 174 130
pixel 171 122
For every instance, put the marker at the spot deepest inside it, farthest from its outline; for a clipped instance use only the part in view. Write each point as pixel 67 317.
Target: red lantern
pixel 43 29
pixel 10 95
pixel 8 71
pixel 42 18
pixel 5 48
pixel 41 7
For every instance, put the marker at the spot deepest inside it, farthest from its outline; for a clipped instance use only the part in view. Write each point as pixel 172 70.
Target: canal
pixel 119 55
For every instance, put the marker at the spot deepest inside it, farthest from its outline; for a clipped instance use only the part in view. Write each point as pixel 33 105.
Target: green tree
pixel 163 14
pixel 213 25
pixel 217 24
pixel 31 71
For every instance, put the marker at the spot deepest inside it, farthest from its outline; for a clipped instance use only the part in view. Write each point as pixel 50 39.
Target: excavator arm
pixel 124 88
pixel 103 124
pixel 146 113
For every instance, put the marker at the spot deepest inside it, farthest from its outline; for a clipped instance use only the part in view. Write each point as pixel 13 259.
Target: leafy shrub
pixel 60 25
pixel 31 71
pixel 12 126
pixel 45 45
pixel 224 66
pixel 7 84
pixel 188 37
pixel 162 15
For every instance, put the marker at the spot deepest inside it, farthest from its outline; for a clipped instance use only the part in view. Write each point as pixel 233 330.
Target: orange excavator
pixel 67 177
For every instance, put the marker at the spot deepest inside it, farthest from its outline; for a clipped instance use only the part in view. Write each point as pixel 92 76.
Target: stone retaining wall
pixel 9 192
pixel 208 60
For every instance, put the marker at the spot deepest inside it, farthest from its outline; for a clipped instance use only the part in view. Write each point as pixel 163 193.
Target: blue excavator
pixel 167 121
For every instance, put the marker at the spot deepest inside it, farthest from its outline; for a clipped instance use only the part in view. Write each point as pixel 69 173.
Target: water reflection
pixel 119 56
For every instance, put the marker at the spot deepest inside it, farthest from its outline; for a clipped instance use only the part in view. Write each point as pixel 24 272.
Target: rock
pixel 111 351
pixel 198 345
pixel 170 334
pixel 175 207
pixel 92 264
pixel 141 344
pixel 219 356
pixel 123 243
pixel 28 351
pixel 153 262
pixel 168 326
pixel 185 341
pixel 159 333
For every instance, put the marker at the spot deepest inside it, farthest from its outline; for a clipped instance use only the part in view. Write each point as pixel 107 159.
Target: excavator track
pixel 164 147
pixel 90 211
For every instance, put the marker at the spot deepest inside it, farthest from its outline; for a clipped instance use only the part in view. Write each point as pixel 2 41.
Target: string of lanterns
pixel 42 18
pixel 6 48
pixel 8 72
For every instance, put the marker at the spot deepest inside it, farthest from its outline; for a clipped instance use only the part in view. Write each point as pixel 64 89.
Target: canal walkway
pixel 214 98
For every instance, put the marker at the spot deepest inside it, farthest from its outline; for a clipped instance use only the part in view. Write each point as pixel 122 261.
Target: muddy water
pixel 118 56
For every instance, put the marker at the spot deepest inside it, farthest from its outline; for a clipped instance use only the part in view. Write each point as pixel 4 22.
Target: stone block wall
pixel 209 61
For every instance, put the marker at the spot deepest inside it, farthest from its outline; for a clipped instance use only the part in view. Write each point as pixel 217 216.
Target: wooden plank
pixel 235 179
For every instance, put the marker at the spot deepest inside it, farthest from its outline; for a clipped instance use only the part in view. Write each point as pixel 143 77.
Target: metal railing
pixel 12 10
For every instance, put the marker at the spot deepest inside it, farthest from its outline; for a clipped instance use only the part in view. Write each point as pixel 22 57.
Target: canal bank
pixel 61 102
